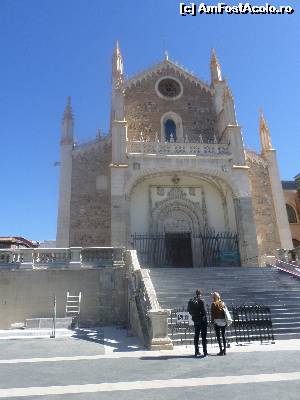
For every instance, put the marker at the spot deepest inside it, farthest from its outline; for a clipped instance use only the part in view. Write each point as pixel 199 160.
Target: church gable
pixel 167 94
pixel 166 66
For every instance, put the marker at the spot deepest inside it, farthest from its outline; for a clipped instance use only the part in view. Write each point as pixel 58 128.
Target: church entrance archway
pixel 189 222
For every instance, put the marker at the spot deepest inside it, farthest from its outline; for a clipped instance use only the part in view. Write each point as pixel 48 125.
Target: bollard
pixel 52 336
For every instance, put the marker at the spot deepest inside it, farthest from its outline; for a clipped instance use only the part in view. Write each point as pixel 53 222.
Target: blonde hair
pixel 216 296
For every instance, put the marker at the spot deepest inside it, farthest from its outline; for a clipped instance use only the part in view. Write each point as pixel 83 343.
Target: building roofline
pixel 172 64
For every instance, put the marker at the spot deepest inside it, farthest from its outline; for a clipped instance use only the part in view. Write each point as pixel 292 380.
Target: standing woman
pixel 218 319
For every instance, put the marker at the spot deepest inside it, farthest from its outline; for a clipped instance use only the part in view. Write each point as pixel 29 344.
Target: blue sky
pixel 54 48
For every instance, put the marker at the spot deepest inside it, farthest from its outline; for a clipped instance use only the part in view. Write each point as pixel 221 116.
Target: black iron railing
pixel 251 323
pixel 210 249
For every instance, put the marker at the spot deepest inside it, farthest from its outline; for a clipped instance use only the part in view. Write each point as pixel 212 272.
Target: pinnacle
pixel 117 48
pixel 214 57
pixel 68 113
pixel 264 132
pixel 262 120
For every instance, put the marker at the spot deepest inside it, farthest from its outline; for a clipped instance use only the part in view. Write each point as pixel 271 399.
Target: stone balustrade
pixel 146 319
pixel 71 258
pixel 176 148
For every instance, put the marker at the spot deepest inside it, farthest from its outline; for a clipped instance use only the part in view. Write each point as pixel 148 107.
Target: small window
pixel 292 217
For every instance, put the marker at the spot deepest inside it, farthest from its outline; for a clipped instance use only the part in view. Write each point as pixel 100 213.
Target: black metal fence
pixel 251 323
pixel 209 249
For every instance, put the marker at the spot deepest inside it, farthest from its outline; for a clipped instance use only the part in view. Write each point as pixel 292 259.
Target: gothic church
pixel 172 178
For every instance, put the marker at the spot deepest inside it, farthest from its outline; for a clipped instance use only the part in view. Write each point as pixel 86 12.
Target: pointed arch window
pixel 292 216
pixel 171 124
pixel 170 130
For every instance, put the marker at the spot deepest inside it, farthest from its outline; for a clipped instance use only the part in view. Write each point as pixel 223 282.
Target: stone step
pixel 47 323
pixel 238 286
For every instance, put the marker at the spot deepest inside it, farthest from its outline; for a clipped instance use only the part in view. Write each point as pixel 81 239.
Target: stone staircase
pixel 237 286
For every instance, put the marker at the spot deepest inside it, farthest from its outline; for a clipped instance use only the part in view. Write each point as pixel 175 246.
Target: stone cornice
pixel 230 126
pixel 115 165
pixel 240 167
pixel 118 122
pixel 164 65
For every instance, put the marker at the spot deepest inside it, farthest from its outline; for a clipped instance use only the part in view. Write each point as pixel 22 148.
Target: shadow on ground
pixel 112 338
pixel 94 335
pixel 171 357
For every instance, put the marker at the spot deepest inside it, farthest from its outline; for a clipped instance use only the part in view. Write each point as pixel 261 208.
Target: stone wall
pixel 144 108
pixel 263 206
pixel 29 294
pixel 90 222
pixel 291 198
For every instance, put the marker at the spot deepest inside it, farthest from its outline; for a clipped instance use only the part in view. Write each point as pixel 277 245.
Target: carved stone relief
pixel 160 191
pixel 176 213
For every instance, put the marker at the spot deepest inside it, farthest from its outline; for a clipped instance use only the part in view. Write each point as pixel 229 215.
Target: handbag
pixel 228 317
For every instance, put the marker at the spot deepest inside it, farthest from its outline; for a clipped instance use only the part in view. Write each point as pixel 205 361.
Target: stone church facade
pixel 173 166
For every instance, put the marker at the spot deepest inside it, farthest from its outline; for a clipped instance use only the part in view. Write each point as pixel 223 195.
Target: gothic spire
pixel 215 67
pixel 67 123
pixel 68 114
pixel 264 133
pixel 117 63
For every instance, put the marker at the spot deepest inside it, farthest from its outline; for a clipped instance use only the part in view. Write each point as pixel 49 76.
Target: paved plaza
pixel 109 365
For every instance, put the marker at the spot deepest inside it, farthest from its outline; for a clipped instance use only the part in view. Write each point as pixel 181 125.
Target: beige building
pixel 292 198
pixel 172 178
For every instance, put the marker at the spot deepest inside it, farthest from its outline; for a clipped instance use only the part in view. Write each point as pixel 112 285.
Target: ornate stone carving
pixel 175 179
pixel 176 213
pixel 160 191
pixel 192 191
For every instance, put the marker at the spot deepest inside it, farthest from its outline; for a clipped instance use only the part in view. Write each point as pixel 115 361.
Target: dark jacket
pixel 200 316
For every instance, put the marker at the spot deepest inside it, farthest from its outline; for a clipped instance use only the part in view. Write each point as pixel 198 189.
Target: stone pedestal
pixel 159 333
pixel 27 262
pixel 75 262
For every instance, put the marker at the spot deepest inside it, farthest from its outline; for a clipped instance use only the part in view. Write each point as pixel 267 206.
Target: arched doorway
pixel 174 222
pixel 170 130
pixel 177 227
pixel 178 249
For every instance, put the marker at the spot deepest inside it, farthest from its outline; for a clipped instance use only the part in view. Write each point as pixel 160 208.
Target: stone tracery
pixel 176 213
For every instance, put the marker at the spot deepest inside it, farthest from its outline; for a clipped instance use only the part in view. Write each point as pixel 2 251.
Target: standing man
pixel 197 309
